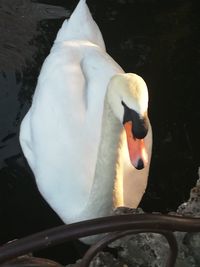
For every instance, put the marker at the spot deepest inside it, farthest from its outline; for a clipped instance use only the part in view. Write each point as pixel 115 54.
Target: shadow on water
pixel 157 40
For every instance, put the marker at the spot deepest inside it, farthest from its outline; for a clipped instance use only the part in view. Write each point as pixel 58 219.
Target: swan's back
pixel 60 134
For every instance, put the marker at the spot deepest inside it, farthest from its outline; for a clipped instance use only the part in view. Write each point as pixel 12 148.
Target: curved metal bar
pixel 173 248
pixel 29 261
pixel 94 249
pixel 61 234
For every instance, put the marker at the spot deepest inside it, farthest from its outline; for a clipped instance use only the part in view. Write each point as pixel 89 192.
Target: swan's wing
pixel 63 125
pixel 26 140
pixel 52 134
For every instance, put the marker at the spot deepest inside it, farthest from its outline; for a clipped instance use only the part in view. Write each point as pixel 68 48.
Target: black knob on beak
pixel 139 124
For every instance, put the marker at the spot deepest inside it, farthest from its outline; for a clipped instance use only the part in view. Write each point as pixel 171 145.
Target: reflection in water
pixel 18 26
pixel 19 32
pixel 18 48
pixel 159 41
pixel 9 107
pixel 24 43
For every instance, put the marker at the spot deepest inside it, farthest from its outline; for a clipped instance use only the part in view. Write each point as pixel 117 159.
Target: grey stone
pixel 151 250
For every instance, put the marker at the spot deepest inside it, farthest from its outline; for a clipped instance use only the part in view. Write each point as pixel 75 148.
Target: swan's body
pixel 74 143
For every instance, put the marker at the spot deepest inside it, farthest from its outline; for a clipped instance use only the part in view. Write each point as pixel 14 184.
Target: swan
pixel 87 136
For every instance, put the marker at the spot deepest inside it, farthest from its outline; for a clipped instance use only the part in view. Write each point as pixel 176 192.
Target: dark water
pixel 159 40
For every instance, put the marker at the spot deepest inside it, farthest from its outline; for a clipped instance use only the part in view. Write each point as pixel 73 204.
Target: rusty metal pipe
pixel 61 234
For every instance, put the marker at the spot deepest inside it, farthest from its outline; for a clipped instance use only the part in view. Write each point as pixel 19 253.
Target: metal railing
pixel 115 226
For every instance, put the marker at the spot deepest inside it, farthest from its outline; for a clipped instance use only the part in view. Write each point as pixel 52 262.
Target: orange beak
pixel 136 147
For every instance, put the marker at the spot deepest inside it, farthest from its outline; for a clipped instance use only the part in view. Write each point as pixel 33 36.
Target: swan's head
pixel 128 97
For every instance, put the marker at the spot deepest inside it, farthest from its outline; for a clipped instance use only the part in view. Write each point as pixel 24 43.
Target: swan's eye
pixel 139 124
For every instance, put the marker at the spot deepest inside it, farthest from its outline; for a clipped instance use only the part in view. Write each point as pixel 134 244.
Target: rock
pixel 151 250
pixel 105 259
pixel 189 243
pixel 137 250
pixel 192 206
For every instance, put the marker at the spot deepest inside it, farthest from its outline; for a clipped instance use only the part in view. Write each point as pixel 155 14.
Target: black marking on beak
pixel 139 124
pixel 140 164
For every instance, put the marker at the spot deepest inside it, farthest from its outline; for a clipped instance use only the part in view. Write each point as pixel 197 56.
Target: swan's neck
pixel 101 196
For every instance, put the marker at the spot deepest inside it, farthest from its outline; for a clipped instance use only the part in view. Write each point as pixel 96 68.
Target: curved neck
pixel 100 200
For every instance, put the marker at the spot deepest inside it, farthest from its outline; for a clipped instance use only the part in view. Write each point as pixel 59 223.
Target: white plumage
pixel 73 136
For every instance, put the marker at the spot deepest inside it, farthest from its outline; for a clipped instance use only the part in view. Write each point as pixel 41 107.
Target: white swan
pixel 73 136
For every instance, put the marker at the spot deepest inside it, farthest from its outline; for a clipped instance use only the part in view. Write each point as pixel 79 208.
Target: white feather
pixel 74 145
